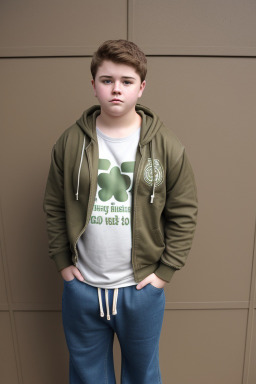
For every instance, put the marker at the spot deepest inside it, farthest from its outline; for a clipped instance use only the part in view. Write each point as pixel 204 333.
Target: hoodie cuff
pixel 62 260
pixel 165 272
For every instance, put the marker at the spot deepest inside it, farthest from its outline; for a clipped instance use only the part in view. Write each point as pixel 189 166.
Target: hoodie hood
pixel 149 127
pixel 87 121
pixel 150 124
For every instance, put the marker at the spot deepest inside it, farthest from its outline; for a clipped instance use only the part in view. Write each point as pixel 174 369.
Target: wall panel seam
pixel 8 294
pixel 47 307
pixel 130 8
pixel 251 316
pixel 82 55
pixel 207 305
pixel 127 19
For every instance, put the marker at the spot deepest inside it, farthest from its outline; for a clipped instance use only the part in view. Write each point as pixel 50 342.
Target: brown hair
pixel 120 51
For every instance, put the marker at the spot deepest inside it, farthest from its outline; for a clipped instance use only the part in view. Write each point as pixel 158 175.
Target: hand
pixel 151 279
pixel 70 273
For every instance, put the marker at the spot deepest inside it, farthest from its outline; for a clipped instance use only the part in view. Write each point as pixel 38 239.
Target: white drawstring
pixel 153 193
pixel 114 310
pixel 153 172
pixel 114 306
pixel 100 303
pixel 107 305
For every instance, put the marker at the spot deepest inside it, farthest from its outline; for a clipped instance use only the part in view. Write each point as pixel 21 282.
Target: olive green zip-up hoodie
pixel 164 204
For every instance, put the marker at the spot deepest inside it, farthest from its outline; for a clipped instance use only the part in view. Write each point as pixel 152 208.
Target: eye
pixel 127 82
pixel 106 81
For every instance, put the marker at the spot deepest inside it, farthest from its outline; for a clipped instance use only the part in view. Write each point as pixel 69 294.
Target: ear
pixel 94 88
pixel 142 87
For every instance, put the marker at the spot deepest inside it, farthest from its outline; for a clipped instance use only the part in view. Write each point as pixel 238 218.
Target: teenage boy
pixel 121 211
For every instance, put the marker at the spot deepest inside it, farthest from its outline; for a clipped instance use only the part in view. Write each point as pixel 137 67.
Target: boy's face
pixel 117 87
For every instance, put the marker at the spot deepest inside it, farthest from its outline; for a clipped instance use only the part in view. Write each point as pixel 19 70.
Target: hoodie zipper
pixel 90 205
pixel 137 177
pixel 79 171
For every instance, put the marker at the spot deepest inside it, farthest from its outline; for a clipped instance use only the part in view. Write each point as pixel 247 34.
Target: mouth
pixel 115 100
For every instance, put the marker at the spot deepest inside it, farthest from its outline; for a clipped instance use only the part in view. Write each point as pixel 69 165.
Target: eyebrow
pixel 123 77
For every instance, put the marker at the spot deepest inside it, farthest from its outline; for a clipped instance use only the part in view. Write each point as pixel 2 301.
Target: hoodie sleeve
pixel 180 217
pixel 54 206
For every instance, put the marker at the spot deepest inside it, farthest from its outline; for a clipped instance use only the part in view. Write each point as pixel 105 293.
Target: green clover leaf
pixel 113 184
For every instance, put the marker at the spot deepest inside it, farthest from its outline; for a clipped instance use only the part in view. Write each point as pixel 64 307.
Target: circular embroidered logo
pixel 148 172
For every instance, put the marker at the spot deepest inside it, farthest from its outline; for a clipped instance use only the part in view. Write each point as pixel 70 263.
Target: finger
pixel 78 275
pixel 144 282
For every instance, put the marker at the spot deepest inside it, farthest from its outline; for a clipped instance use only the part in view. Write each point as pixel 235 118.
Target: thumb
pixel 144 282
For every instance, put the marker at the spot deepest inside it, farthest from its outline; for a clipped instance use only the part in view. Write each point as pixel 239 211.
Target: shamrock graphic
pixel 113 184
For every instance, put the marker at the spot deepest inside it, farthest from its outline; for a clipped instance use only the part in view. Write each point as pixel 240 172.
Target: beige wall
pixel 202 82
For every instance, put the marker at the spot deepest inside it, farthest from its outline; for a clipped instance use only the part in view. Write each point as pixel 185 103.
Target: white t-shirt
pixel 104 250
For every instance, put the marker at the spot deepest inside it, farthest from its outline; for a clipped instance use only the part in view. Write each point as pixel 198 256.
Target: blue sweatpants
pixel 89 336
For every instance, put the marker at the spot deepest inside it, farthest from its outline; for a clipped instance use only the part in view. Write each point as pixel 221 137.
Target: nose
pixel 116 87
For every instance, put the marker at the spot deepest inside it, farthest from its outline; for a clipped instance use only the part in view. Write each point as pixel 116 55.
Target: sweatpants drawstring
pixel 107 305
pixel 114 310
pixel 114 306
pixel 100 303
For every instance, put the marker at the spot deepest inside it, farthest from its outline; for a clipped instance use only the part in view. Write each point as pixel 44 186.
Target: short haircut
pixel 120 51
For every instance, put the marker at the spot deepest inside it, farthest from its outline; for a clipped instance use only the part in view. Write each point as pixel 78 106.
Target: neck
pixel 118 126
